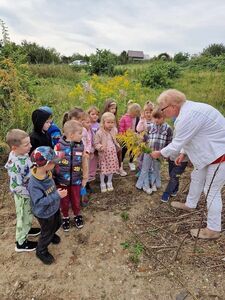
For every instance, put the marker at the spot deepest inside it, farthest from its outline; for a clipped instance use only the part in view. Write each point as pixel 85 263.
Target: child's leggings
pixel 72 197
pixel 23 218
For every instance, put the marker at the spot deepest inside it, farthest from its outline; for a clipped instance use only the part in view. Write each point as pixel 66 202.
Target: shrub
pixel 102 62
pixel 160 74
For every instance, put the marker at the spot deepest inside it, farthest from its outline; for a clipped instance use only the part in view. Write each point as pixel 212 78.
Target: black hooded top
pixel 38 137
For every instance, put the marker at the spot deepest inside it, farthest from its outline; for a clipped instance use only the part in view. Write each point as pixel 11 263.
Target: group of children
pixel 50 170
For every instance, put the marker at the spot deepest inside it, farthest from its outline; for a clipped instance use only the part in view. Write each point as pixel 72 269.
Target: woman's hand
pixel 179 159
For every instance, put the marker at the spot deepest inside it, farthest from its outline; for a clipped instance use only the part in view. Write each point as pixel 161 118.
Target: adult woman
pixel 200 133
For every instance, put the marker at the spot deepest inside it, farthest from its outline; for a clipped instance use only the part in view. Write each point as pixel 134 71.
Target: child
pixel 93 112
pixel 53 131
pixel 106 144
pixel 110 105
pixel 174 172
pixel 74 114
pixel 146 117
pixel 86 133
pixel 129 121
pixel 45 199
pixel 159 136
pixel 39 137
pixel 72 171
pixel 18 167
pixel 93 162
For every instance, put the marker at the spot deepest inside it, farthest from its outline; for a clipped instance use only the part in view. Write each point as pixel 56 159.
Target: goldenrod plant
pixel 135 143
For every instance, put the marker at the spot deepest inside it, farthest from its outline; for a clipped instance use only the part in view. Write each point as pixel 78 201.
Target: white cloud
pixel 82 26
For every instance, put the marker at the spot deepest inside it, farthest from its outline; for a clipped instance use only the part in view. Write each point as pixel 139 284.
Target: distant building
pixel 135 55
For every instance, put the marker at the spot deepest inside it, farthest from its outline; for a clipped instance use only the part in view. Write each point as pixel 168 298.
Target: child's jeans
pixel 23 218
pixel 49 227
pixel 143 179
pixel 155 177
pixel 73 197
pixel 174 173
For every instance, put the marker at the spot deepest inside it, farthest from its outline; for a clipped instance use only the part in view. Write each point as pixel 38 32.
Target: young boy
pixel 40 137
pixel 18 167
pixel 45 200
pixel 159 136
pixel 53 130
pixel 72 172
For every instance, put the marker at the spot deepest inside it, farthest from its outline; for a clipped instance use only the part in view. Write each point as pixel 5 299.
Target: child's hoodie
pixel 18 168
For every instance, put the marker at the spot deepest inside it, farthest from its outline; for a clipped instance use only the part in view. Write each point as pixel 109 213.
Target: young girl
pixel 73 114
pixel 111 106
pixel 93 162
pixel 129 121
pixel 146 117
pixel 106 144
pixel 93 112
pixel 72 171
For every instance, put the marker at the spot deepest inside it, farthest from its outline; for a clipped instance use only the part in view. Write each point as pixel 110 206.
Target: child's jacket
pixel 159 136
pixel 45 199
pixel 69 170
pixel 126 122
pixel 18 168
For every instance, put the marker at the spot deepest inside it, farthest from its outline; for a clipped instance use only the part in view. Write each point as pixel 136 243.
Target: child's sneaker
pixel 165 197
pixel 147 190
pixel 45 257
pixel 56 239
pixel 103 188
pixel 27 246
pixel 34 232
pixel 110 187
pixel 154 188
pixel 66 224
pixel 173 194
pixel 122 172
pixel 132 166
pixel 78 221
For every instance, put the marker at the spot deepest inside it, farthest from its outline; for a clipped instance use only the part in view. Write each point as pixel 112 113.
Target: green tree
pixel 181 57
pixel 123 58
pixel 39 55
pixel 103 62
pixel 214 50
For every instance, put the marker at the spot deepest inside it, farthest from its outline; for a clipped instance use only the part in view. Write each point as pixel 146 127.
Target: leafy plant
pixel 137 250
pixel 125 216
pixel 102 62
pixel 125 245
pixel 133 142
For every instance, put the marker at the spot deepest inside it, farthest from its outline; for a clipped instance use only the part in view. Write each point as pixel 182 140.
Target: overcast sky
pixel 154 26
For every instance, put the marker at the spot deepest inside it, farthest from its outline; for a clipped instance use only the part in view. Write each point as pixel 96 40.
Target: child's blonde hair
pixel 93 108
pixel 71 126
pixel 134 108
pixel 148 106
pixel 15 136
pixel 107 115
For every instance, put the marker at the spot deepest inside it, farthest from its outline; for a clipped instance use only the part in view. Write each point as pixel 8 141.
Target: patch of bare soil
pixel 131 247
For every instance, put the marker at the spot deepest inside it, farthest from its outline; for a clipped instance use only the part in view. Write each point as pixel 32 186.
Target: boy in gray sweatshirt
pixel 45 200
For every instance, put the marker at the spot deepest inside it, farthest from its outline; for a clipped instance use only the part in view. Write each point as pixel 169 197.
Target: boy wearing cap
pixel 18 167
pixel 40 137
pixel 45 200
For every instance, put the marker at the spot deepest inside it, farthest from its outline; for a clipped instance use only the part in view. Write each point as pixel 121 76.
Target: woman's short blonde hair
pixel 107 115
pixel 171 96
pixel 134 108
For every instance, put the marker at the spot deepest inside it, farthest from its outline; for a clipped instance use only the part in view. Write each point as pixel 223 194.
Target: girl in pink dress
pixel 107 146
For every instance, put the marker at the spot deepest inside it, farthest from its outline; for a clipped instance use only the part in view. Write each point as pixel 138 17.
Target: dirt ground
pixel 131 247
